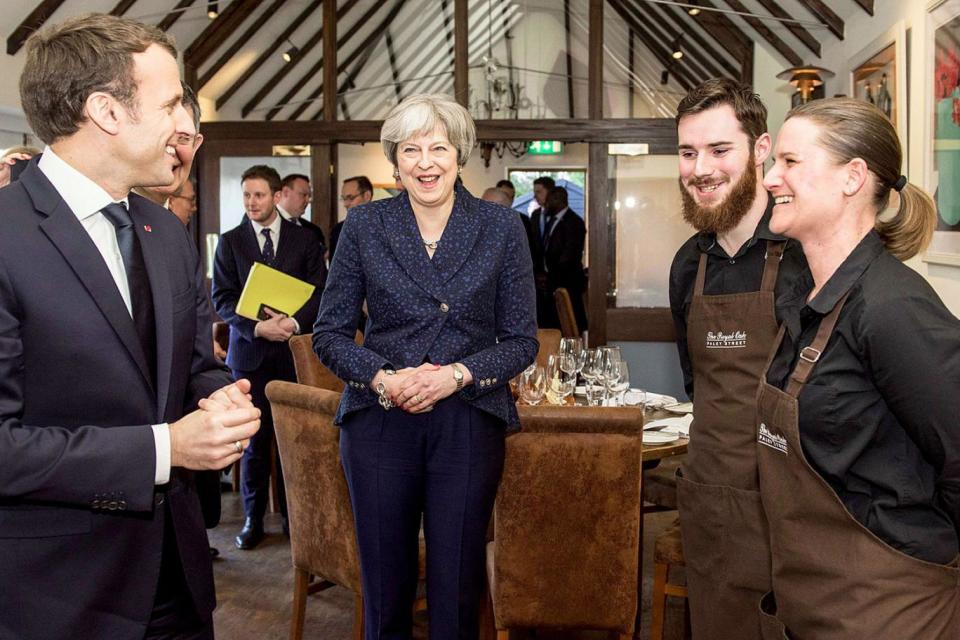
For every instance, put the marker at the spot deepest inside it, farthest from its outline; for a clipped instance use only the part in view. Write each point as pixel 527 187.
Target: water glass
pixel 595 391
pixel 533 385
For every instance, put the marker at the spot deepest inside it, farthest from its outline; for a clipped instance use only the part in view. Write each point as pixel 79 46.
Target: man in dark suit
pixel 258 350
pixel 355 191
pixel 546 308
pixel 104 347
pixel 563 240
pixel 295 195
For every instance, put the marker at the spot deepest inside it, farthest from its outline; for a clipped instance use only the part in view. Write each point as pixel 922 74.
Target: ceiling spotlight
pixel 212 10
pixel 290 53
pixel 694 11
pixel 676 51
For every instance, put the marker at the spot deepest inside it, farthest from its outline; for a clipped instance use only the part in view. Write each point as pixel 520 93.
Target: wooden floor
pixel 254 589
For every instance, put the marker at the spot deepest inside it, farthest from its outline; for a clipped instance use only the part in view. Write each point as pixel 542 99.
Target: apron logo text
pixel 720 340
pixel 770 439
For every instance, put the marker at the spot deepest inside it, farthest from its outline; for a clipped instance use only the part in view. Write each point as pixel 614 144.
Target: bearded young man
pixel 723 285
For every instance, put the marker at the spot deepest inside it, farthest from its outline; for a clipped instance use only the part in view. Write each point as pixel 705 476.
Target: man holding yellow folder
pixel 258 349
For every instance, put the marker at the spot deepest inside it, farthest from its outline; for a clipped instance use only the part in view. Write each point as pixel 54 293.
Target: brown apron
pixel 725 541
pixel 832 577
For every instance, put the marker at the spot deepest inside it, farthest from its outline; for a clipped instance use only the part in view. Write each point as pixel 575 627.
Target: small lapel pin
pixel 148 228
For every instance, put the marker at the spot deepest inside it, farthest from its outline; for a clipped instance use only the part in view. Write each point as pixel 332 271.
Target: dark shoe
pixel 214 552
pixel 251 535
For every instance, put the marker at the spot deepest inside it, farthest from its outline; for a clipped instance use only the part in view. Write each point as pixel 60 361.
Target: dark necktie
pixel 141 298
pixel 267 252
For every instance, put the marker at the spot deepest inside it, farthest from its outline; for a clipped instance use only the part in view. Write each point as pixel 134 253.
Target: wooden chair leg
pixel 299 603
pixel 358 617
pixel 503 634
pixel 659 605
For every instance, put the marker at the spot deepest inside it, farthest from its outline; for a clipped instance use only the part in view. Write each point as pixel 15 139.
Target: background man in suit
pixel 546 309
pixel 563 240
pixel 258 349
pixel 183 203
pixel 355 190
pixel 507 187
pixel 295 195
pixel 104 346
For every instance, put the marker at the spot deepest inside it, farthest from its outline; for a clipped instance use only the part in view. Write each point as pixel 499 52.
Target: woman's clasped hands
pixel 417 389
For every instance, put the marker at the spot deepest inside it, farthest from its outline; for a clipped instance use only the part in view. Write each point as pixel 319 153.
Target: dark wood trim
pixel 595 60
pixel 461 52
pixel 318 67
pixel 659 133
pixel 767 34
pixel 251 31
pixel 571 110
pixel 31 24
pixel 216 33
pixel 330 44
pixel 598 186
pixel 824 14
pixel 729 36
pixel 638 324
pixel 797 30
pixel 394 71
pixel 631 54
pixel 866 5
pixel 174 15
pixel 692 32
pixel 122 7
pixel 324 183
pixel 680 73
pixel 269 51
pixel 692 60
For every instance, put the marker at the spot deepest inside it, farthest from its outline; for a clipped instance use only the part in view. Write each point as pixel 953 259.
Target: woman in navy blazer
pixel 448 283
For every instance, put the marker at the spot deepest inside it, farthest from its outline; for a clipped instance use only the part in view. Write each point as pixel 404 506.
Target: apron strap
pixel 811 354
pixel 701 275
pixel 771 265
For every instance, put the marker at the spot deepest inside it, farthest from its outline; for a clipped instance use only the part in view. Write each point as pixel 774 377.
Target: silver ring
pixel 238 446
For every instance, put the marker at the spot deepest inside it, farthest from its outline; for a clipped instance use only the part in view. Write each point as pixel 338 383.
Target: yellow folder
pixel 267 287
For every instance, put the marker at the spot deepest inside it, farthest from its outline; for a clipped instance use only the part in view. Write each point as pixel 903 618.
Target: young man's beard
pixel 726 215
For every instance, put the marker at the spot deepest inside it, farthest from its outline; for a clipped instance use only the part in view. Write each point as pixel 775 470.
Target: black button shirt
pixel 741 273
pixel 880 415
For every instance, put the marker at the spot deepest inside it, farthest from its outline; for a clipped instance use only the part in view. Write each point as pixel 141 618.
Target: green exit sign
pixel 545 147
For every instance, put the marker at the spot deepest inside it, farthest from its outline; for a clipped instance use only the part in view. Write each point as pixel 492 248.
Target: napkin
pixel 680 424
pixel 658 400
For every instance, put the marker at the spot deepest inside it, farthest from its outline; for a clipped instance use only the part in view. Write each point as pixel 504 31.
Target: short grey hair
pixel 501 197
pixel 421 114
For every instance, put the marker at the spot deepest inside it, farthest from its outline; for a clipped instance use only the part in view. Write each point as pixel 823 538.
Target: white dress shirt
pixel 289 218
pixel 86 198
pixel 274 233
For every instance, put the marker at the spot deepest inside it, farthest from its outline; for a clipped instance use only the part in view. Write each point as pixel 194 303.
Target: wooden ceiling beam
pixel 174 14
pixel 31 24
pixel 767 34
pixel 238 44
pixel 364 51
pixel 216 33
pixel 709 52
pixel 681 74
pixel 122 7
pixel 825 15
pixel 797 30
pixel 729 36
pixel 692 56
pixel 268 52
pixel 318 67
pixel 867 5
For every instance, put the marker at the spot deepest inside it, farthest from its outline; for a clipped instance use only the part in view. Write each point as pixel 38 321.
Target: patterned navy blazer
pixel 472 303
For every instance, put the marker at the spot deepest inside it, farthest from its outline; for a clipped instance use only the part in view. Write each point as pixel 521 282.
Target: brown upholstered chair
pixel 549 340
pixel 323 539
pixel 667 552
pixel 567 534
pixel 549 418
pixel 568 321
pixel 660 485
pixel 310 371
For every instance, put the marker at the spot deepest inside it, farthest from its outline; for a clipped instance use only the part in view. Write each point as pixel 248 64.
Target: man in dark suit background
pixel 295 195
pixel 258 350
pixel 354 191
pixel 104 347
pixel 563 241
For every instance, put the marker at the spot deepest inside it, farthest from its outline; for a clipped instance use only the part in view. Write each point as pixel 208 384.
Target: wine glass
pixel 623 384
pixel 610 373
pixel 592 365
pixel 532 385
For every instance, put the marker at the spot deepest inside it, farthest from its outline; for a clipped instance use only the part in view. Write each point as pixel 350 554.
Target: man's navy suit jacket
pixel 81 521
pixel 473 302
pixel 298 254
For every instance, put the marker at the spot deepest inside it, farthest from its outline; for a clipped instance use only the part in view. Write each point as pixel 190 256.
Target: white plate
pixel 659 437
pixel 683 407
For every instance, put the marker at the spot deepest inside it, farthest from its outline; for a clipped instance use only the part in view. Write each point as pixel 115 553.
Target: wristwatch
pixel 457 375
pixel 384 401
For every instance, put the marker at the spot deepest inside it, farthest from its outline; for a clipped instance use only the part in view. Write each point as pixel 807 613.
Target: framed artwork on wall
pixel 879 75
pixel 942 142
